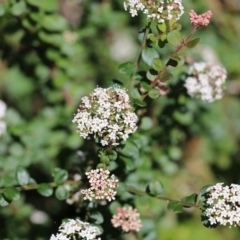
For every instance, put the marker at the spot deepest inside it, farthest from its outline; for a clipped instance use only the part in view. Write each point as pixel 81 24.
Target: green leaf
pixel 154 93
pixel 60 176
pixel 55 39
pixel 162 27
pixel 148 54
pixel 45 5
pixel 172 62
pixel 127 68
pixel 140 103
pixel 3 202
pixel 192 43
pixel 203 193
pixel 61 193
pixel 22 176
pixel 18 8
pixel 45 189
pixel 146 86
pixel 11 194
pixel 130 149
pixel 146 123
pixel 166 76
pixel 2 10
pixel 135 94
pixel 154 188
pixel 157 64
pixel 152 37
pixel 97 218
pixel 54 23
pixel 151 74
pixel 174 37
pixel 205 221
pixel 175 207
pixel 190 199
pixel 112 155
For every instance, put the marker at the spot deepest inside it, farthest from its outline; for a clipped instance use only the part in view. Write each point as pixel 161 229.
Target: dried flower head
pixel 3 108
pixel 106 115
pixel 222 205
pixel 76 229
pixel 206 81
pixel 127 218
pixel 102 185
pixel 201 20
pixel 159 10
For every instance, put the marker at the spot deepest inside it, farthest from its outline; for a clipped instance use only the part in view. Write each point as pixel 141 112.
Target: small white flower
pixel 106 115
pixel 155 9
pixel 223 204
pixel 206 81
pixel 76 229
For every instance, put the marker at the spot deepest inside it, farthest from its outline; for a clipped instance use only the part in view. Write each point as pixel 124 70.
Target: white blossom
pixel 76 229
pixel 223 204
pixel 106 115
pixel 155 9
pixel 206 81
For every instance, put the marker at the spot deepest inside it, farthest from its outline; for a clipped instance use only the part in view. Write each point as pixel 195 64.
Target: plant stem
pixel 139 192
pixel 36 186
pixel 180 46
pixel 137 61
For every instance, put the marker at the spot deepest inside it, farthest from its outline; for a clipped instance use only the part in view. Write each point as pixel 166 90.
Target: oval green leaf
pixel 175 207
pixel 59 175
pixel 54 22
pixel 166 77
pixel 154 93
pixel 140 103
pixel 157 64
pixel 174 37
pixel 61 193
pixel 22 176
pixel 154 188
pixel 11 194
pixel 192 43
pixel 190 199
pixel 146 86
pixel 135 94
pixel 45 189
pixel 3 202
pixel 148 54
pixel 127 68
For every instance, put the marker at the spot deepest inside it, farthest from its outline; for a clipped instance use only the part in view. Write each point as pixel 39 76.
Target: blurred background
pixel 52 53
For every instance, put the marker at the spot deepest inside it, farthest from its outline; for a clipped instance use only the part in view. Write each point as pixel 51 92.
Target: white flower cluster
pixel 3 108
pixel 206 81
pixel 76 229
pixel 106 115
pixel 159 10
pixel 223 204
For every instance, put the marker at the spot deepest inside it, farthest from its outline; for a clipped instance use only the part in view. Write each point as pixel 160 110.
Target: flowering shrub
pixel 206 81
pixel 133 134
pixel 106 115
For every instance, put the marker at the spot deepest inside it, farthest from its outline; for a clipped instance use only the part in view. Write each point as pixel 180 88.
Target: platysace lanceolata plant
pixel 110 116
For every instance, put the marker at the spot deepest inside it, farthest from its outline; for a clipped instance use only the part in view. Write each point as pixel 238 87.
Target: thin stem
pixel 36 186
pixel 180 46
pixel 137 61
pixel 139 192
